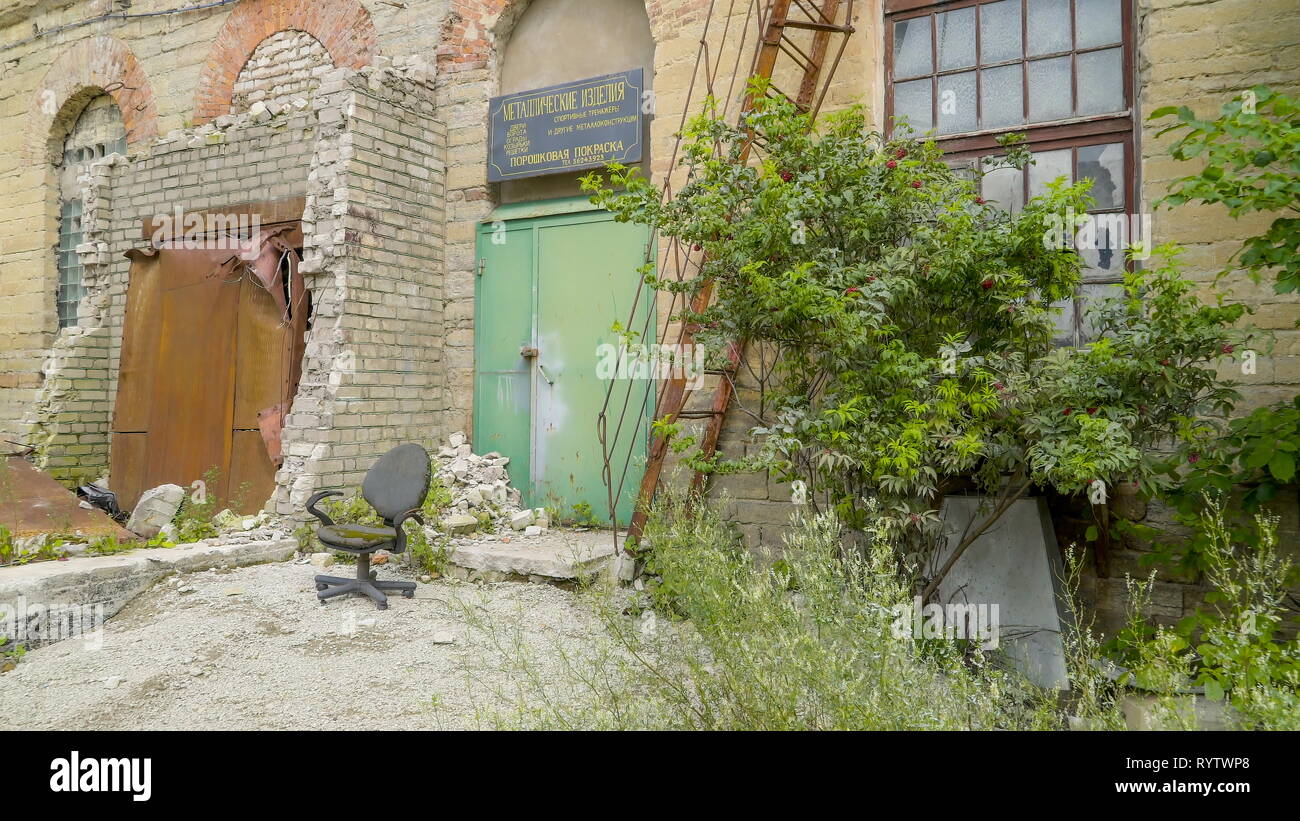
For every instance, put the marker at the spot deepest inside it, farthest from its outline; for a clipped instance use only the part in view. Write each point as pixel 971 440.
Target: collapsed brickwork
pixel 373 228
pixel 284 66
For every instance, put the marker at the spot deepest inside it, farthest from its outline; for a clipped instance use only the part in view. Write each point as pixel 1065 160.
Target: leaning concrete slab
pixel 553 556
pixel 1017 566
pixel 112 581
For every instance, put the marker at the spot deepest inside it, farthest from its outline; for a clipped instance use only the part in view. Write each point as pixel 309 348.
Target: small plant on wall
pixel 907 325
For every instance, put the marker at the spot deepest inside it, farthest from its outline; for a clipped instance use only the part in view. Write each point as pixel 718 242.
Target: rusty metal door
pixel 209 364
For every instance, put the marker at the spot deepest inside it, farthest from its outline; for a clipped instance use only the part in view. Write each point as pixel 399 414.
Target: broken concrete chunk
pixel 322 560
pixel 459 523
pixel 227 519
pixel 155 509
pixel 532 530
pixel 457 439
pixel 521 520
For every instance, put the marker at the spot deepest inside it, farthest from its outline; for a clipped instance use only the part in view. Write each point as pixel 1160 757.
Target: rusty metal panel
pixel 269 346
pixel 139 345
pixel 192 404
pixel 32 503
pixel 130 462
pixel 252 475
pixel 210 363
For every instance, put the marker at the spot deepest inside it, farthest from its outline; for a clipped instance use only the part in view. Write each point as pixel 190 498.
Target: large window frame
pixel 1072 133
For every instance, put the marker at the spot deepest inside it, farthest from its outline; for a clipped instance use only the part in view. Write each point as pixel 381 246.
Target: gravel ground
pixel 251 648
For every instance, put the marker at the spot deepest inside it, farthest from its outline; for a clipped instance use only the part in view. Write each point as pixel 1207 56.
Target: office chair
pixel 395 487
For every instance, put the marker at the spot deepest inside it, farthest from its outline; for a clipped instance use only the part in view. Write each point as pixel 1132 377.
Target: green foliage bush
pixel 720 642
pixel 1251 153
pixel 725 644
pixel 910 323
pixel 1237 646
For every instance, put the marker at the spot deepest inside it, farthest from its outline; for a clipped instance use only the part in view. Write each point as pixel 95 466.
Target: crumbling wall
pixel 286 65
pixel 242 161
pixel 234 161
pixel 69 421
pixel 373 256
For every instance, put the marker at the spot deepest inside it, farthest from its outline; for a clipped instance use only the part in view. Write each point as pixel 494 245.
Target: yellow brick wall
pixel 1202 54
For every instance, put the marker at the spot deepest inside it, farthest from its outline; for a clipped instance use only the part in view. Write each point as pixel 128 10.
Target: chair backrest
pixel 399 481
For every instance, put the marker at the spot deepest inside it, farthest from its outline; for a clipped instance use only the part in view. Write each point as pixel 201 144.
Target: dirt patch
pixel 251 648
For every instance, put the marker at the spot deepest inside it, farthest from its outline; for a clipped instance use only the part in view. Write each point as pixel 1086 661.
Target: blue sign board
pixel 584 124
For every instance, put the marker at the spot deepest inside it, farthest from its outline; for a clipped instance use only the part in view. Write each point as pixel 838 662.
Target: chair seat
pixel 356 537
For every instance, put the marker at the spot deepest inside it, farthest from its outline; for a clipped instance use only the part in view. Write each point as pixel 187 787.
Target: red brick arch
pixel 93 66
pixel 344 27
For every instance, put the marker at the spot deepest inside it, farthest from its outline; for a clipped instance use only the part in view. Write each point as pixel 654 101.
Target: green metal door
pixel 553 279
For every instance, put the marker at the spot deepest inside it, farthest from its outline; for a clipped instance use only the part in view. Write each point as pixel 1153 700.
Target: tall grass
pixel 718 641
pixel 725 643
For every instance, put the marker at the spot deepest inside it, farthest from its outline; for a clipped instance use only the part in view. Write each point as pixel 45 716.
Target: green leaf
pixel 1282 466
pixel 1091 534
pixel 1213 690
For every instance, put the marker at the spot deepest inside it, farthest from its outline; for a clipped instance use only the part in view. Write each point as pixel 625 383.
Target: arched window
pixel 284 66
pixel 98 131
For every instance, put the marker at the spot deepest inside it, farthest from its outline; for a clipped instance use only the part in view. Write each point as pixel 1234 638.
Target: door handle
pixel 545 375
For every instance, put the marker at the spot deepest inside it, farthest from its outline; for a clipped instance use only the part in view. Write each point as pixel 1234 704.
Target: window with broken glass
pixel 98 132
pixel 1058 71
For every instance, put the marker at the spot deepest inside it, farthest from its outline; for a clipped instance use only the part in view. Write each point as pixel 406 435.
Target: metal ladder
pixel 782 17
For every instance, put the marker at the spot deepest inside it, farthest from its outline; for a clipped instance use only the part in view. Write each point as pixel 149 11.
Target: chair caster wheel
pixel 322 586
pixel 374 575
pixel 383 606
pixel 322 602
pixel 408 594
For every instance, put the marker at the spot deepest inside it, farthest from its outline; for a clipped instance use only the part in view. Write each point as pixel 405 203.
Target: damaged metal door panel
pixel 190 412
pixel 139 345
pixel 212 355
pixel 252 473
pixel 270 341
pixel 128 466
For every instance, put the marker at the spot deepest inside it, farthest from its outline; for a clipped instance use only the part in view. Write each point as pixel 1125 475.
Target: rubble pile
pixel 476 482
pixel 482 498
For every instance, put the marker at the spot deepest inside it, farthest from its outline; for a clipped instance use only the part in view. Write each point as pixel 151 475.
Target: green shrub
pixel 1236 647
pixel 906 325
pixel 1251 153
